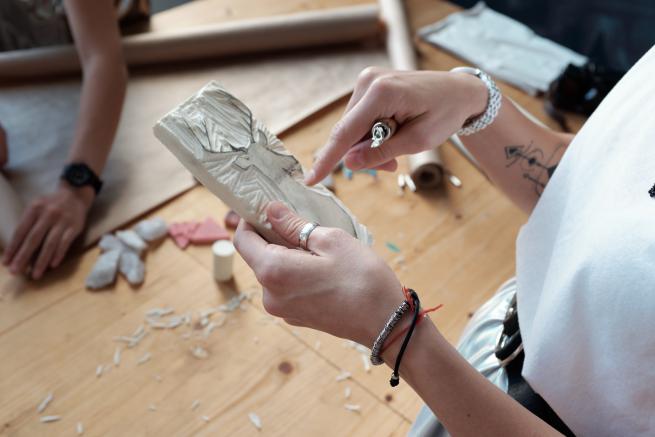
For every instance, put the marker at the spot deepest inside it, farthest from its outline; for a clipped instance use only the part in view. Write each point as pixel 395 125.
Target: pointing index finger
pixel 354 126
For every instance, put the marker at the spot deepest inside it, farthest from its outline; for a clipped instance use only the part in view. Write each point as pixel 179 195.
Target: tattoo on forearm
pixel 537 169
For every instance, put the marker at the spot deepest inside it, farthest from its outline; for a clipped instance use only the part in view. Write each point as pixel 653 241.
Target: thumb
pixel 286 223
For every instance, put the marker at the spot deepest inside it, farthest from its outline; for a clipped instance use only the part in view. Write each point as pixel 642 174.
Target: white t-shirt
pixel 586 270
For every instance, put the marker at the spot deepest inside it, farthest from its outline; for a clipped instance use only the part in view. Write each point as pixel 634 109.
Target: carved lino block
pixel 232 154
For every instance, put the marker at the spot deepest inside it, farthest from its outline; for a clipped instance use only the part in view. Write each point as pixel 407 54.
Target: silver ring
pixel 381 131
pixel 305 232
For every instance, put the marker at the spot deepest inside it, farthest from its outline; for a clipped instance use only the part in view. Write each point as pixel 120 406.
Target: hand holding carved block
pixel 232 154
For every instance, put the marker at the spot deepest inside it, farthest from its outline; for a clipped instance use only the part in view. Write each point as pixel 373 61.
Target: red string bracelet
pixel 421 315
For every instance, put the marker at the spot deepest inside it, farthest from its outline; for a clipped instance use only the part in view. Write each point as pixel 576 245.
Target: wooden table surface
pixel 457 247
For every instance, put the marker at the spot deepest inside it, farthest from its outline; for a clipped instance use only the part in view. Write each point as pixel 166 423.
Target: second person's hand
pixel 4 148
pixel 428 106
pixel 47 229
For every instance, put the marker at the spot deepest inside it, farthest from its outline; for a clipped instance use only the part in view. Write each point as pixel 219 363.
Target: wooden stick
pixel 399 39
pixel 304 29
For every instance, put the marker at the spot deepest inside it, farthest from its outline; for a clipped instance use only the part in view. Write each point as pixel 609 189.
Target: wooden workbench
pixel 457 247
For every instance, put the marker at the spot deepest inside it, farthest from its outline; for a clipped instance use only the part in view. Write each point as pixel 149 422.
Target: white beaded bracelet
pixel 483 120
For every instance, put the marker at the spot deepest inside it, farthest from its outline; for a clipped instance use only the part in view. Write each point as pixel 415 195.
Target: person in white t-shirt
pixel 585 286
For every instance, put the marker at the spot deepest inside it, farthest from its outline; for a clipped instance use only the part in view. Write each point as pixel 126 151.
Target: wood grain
pixel 457 247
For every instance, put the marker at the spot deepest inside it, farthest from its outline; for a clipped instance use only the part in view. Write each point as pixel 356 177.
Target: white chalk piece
pixel 151 230
pixel 223 253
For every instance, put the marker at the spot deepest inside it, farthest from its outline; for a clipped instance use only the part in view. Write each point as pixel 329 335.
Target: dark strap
pixel 518 388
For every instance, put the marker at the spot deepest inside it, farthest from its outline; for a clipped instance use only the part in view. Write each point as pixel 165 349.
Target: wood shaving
pixel 233 303
pixel 208 312
pixel 367 363
pixel 158 312
pixel 47 419
pixel 99 370
pixel 205 418
pixel 158 378
pixel 255 420
pixel 208 329
pixel 157 324
pixel 199 352
pixel 144 358
pixel 152 407
pixel 117 357
pixel 44 403
pixel 352 407
pixel 172 322
pixel 79 428
pixel 135 341
pixel 343 376
pixel 140 330
pixel 195 405
pixel 347 392
pixel 175 321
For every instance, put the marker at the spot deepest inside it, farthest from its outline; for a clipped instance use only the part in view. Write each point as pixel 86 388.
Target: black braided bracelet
pixel 395 378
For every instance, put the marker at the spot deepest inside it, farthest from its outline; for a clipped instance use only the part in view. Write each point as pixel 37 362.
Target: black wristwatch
pixel 78 174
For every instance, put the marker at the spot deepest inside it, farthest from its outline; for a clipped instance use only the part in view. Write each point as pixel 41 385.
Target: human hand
pixel 4 148
pixel 342 287
pixel 47 228
pixel 428 106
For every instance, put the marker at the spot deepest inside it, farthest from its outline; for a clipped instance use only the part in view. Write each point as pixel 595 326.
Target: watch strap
pixel 90 177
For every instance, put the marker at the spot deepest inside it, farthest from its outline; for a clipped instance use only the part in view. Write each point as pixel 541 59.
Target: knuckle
pixel 52 212
pixel 334 234
pixel 369 74
pixel 385 85
pixel 37 205
pixel 269 274
pixel 333 237
pixel 271 304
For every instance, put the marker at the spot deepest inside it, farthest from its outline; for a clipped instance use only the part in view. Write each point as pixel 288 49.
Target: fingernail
pixel 277 210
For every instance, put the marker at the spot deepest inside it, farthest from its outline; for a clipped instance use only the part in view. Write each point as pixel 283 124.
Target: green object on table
pixel 392 247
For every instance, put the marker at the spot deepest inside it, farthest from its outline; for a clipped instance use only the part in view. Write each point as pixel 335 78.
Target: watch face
pixel 77 175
